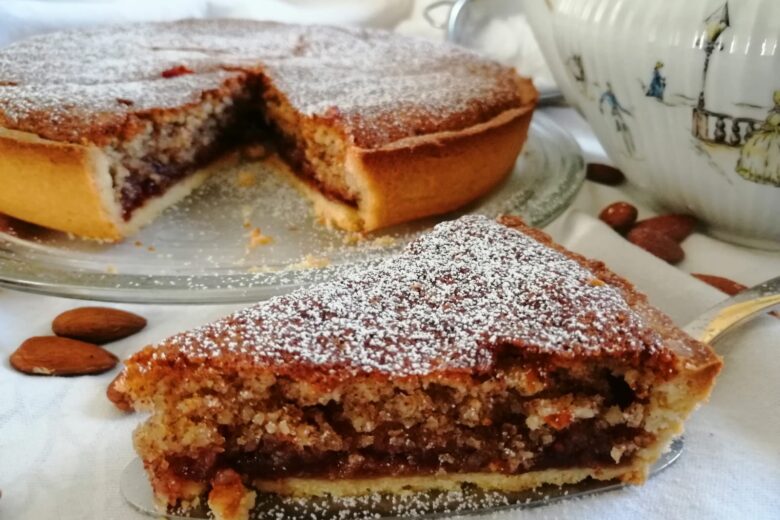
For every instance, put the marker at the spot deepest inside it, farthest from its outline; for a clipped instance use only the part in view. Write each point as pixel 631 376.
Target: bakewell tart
pixel 483 354
pixel 101 129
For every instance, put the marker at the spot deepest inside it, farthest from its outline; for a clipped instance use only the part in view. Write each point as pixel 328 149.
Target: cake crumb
pixel 384 241
pixel 311 262
pixel 257 238
pixel 138 243
pixel 255 151
pixel 246 213
pixel 617 453
pixel 351 238
pixel 151 249
pixel 111 269
pixel 246 179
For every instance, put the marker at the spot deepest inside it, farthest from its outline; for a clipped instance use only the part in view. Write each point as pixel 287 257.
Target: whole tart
pixel 483 354
pixel 102 129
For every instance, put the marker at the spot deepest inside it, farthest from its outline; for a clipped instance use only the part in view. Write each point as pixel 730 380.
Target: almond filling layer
pixel 172 146
pixel 520 420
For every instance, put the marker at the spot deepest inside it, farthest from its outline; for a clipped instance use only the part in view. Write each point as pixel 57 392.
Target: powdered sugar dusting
pixel 384 86
pixel 444 303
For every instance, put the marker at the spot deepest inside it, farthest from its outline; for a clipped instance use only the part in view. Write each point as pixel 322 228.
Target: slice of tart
pixel 101 129
pixel 483 354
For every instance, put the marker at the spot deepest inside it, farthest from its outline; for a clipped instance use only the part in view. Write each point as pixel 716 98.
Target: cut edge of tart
pixel 484 353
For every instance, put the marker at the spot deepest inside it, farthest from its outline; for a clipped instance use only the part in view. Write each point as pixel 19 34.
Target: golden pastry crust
pixel 303 487
pixel 435 174
pixel 64 186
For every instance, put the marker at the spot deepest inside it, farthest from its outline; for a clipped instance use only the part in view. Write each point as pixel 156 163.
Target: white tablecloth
pixel 22 18
pixel 63 445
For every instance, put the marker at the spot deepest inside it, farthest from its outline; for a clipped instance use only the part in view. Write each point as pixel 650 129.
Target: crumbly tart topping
pixel 448 302
pixel 81 85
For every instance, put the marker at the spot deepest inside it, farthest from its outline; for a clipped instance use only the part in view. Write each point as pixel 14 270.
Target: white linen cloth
pixel 375 13
pixel 63 446
pixel 21 18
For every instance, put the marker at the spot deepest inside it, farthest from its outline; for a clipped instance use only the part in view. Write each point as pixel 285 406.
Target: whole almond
pixel 656 243
pixel 725 285
pixel 676 227
pixel 604 174
pixel 97 324
pixel 55 356
pixel 620 216
pixel 115 393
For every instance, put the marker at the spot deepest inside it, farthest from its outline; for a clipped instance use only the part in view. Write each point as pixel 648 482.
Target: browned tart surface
pixel 483 353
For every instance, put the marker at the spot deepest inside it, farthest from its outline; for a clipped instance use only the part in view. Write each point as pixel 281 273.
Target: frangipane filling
pixel 173 145
pixel 520 418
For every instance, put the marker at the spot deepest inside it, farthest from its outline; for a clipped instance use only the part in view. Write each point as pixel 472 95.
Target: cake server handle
pixel 735 311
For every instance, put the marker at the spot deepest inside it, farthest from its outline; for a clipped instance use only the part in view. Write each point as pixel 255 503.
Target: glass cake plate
pixel 137 491
pixel 210 247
